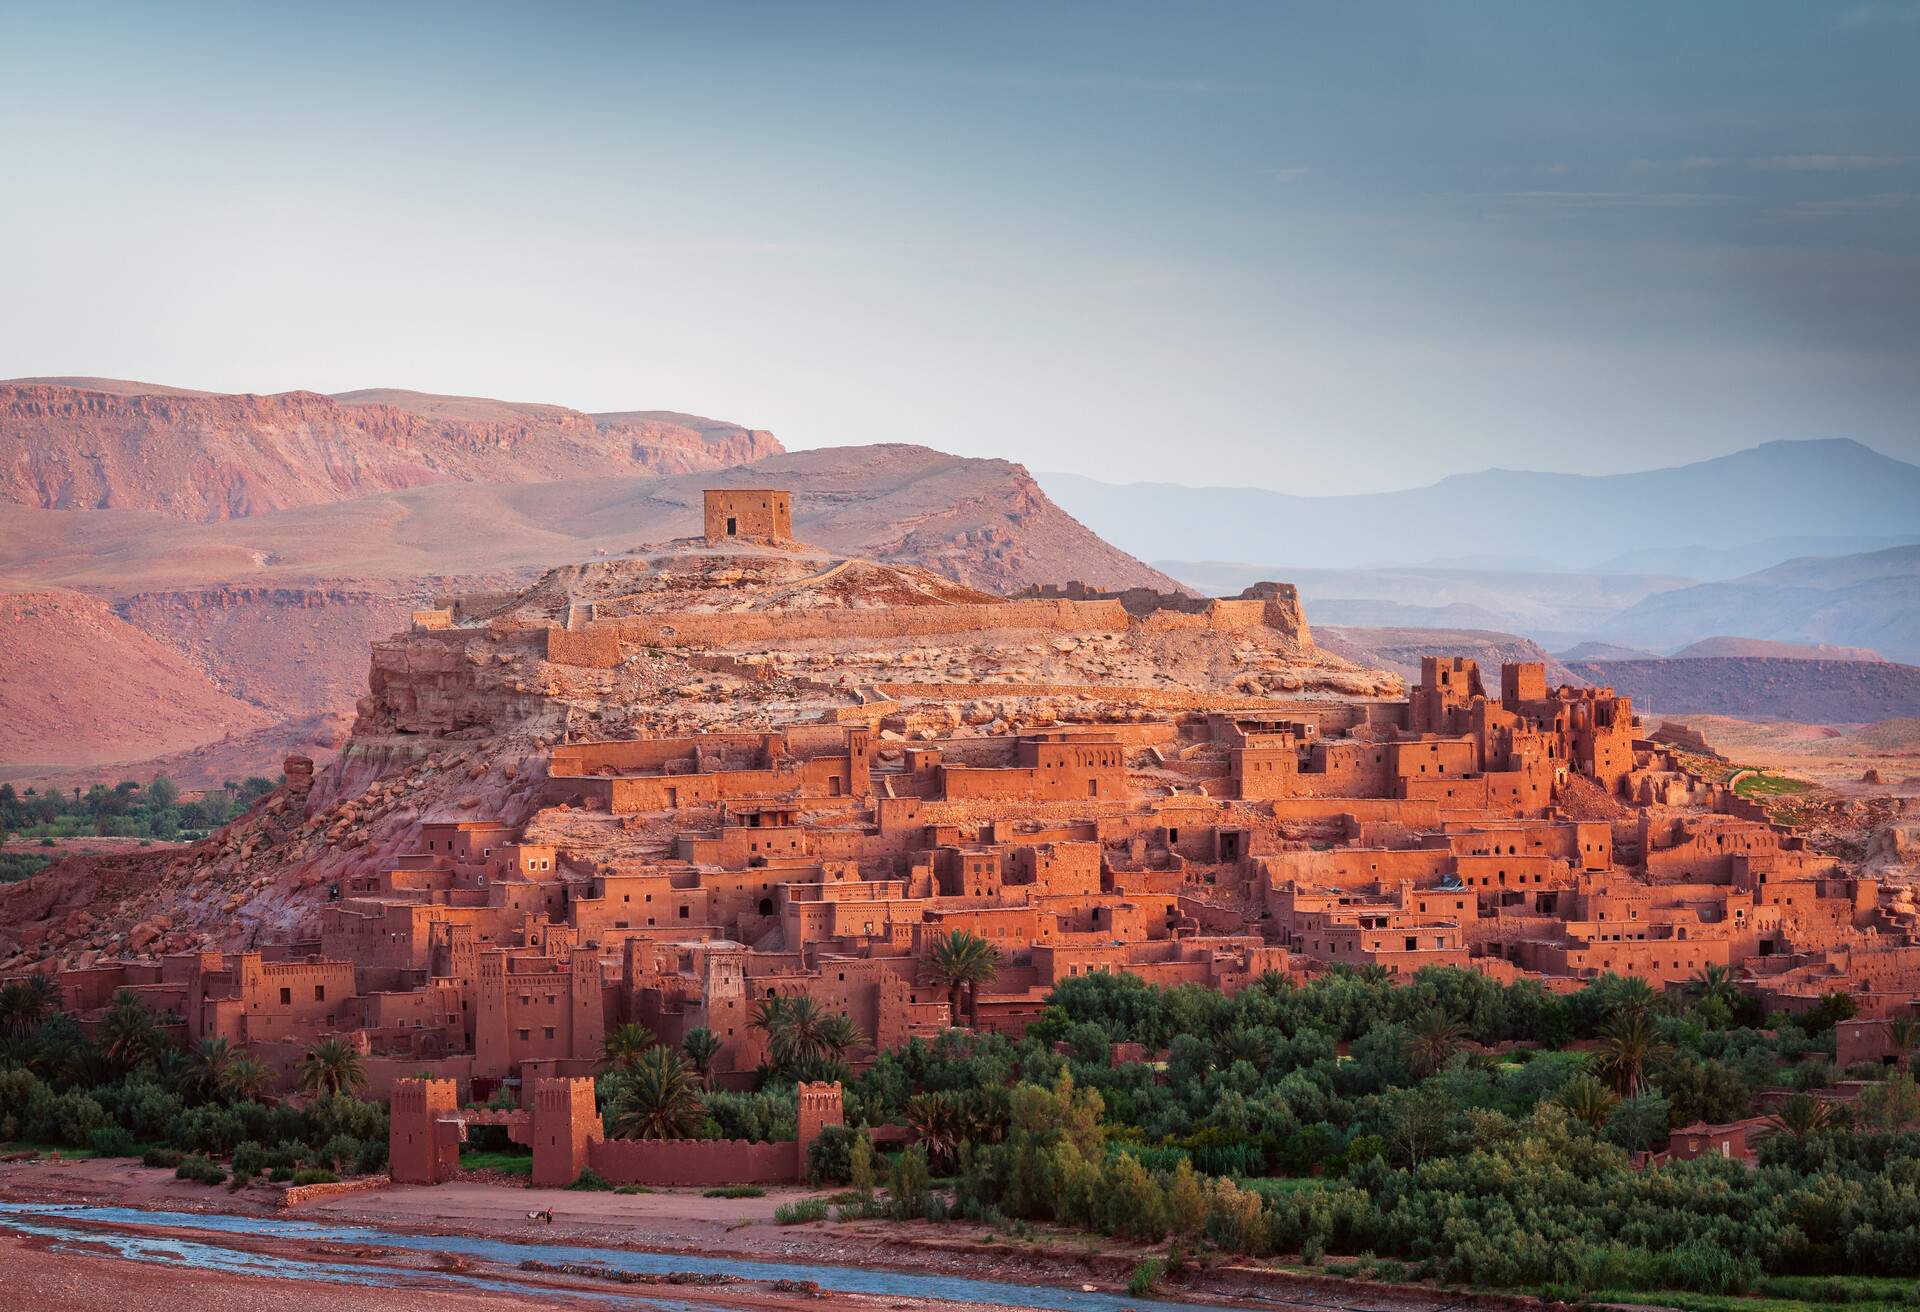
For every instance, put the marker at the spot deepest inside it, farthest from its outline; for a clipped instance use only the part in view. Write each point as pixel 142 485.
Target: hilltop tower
pixel 756 513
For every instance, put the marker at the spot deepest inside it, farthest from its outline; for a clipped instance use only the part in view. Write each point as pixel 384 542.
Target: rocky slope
pixel 1792 651
pixel 1764 688
pixel 100 443
pixel 80 685
pixel 455 722
pixel 278 608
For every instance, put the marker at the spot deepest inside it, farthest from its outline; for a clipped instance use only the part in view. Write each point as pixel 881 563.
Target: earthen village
pixel 665 788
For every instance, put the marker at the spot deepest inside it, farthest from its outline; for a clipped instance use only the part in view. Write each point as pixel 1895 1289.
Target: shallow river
pixel 202 1250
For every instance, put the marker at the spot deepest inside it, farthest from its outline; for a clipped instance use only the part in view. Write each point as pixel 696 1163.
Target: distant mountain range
pixel 108 444
pixel 1707 520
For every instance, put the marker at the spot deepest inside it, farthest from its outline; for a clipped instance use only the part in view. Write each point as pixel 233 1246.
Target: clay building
pixel 757 513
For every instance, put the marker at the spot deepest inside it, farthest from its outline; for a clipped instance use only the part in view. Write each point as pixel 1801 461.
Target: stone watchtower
pixel 757 513
pixel 566 1125
pixel 424 1132
pixel 819 1108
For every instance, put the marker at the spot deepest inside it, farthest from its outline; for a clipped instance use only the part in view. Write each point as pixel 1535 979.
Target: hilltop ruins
pixel 664 787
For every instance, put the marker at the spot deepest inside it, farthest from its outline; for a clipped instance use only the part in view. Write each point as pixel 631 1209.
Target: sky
pixel 1321 248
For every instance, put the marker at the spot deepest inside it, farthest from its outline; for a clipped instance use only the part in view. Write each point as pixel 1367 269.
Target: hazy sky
pixel 1319 248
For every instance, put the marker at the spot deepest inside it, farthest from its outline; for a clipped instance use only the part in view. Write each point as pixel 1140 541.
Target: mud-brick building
pixel 749 512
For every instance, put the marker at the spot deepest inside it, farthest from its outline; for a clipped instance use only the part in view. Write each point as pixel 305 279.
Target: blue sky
pixel 1321 248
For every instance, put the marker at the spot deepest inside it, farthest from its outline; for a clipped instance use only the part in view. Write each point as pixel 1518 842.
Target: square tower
pixel 749 512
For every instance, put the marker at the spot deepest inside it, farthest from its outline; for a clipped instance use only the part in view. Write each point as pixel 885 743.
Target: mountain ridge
pixel 1780 489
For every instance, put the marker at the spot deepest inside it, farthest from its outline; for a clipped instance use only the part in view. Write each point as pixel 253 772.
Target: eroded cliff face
pixel 205 456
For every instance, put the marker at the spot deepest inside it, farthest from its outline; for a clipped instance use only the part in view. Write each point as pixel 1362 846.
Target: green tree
pixel 700 1048
pixel 1590 1101
pixel 661 1099
pixel 332 1066
pixel 1629 1044
pixel 247 1079
pixel 621 1046
pixel 963 961
pixel 213 1062
pixel 129 1036
pixel 1904 1032
pixel 1432 1042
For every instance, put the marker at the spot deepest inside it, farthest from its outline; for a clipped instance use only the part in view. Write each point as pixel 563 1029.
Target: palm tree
pixel 1802 1115
pixel 1714 984
pixel 332 1066
pixel 622 1045
pixel 837 1034
pixel 25 1004
pixel 1431 1043
pixel 1628 1046
pixel 1905 1033
pixel 246 1080
pixel 940 1121
pixel 128 1035
pixel 212 1060
pixel 1590 1101
pixel 796 1034
pixel 662 1102
pixel 1634 995
pixel 701 1047
pixel 963 961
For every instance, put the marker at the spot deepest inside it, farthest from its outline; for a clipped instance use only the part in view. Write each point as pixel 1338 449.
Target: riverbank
pixel 689 1225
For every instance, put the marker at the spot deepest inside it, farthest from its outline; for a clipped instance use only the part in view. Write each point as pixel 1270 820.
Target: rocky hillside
pixel 1764 688
pixel 87 443
pixel 81 685
pixel 279 608
pixel 1791 651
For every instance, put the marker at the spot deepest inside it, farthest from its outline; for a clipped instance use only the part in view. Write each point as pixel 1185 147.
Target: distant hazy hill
pixel 1549 608
pixel 1770 494
pixel 1808 691
pixel 1870 600
pixel 1790 651
pixel 101 443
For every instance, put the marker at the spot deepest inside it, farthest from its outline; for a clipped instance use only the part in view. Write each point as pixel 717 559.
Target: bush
pixel 1145 1281
pixel 828 1159
pixel 200 1170
pixel 166 1158
pixel 737 1191
pixel 314 1175
pixel 800 1212
pixel 591 1181
pixel 342 1152
pixel 281 1174
pixel 111 1141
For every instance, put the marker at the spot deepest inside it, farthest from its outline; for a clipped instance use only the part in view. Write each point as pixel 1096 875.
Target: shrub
pixel 200 1170
pixel 737 1191
pixel 342 1151
pixel 828 1160
pixel 111 1141
pixel 591 1181
pixel 280 1174
pixel 1145 1280
pixel 251 1158
pixel 800 1211
pixel 314 1175
pixel 166 1158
